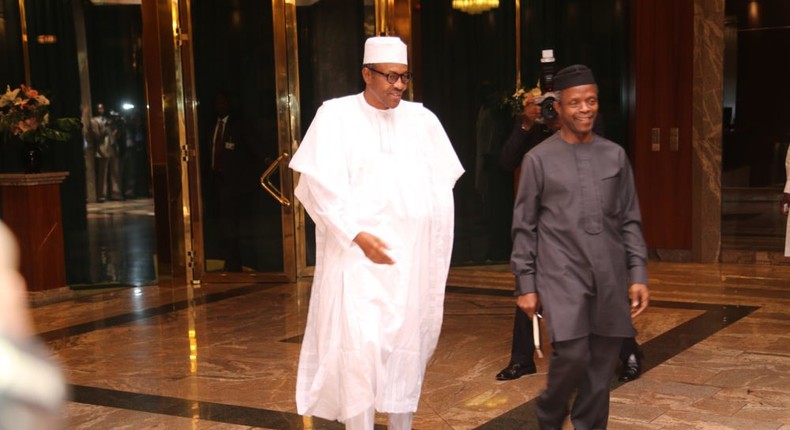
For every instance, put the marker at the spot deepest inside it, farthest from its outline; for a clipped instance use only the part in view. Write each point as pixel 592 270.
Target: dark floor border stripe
pixel 129 317
pixel 657 351
pixel 480 291
pixel 207 411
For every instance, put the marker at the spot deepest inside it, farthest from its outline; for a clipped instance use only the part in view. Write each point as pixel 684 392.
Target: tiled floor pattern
pixel 716 340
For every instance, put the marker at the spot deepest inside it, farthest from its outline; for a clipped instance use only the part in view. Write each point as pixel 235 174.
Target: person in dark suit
pixel 232 165
pixel 529 129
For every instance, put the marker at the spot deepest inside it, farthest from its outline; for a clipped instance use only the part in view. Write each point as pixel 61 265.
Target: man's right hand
pixel 374 248
pixel 785 203
pixel 529 303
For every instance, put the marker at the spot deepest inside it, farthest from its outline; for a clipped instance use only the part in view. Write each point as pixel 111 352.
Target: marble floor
pixel 223 356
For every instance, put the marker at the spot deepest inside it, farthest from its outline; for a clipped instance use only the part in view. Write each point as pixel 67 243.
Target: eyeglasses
pixel 393 77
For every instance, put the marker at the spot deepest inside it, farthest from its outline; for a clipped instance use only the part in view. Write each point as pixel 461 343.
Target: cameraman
pixel 529 129
pixel 534 125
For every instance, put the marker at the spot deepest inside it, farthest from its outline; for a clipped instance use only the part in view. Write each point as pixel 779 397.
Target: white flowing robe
pixel 371 328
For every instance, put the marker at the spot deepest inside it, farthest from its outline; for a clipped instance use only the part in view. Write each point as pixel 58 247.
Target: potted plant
pixel 24 115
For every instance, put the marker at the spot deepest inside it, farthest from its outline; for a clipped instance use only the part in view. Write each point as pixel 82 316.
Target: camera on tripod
pixel 547 97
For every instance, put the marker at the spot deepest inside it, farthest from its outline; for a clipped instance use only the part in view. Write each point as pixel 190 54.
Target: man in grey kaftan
pixel 377 175
pixel 578 251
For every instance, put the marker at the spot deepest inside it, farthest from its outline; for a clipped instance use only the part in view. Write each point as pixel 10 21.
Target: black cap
pixel 573 76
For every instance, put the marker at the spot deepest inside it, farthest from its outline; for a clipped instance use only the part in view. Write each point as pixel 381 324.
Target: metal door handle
pixel 267 184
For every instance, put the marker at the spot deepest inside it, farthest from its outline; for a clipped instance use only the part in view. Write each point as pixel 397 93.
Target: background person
pixel 233 164
pixel 529 129
pixel 103 137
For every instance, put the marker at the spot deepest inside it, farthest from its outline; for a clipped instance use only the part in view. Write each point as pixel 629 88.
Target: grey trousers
pixel 108 182
pixel 585 365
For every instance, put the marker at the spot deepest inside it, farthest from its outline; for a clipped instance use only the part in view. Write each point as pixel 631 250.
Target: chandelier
pixel 474 7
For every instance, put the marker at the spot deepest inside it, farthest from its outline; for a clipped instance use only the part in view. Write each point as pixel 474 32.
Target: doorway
pixel 249 71
pixel 238 227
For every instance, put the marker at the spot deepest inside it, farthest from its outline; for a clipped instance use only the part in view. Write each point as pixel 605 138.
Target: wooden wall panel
pixel 662 54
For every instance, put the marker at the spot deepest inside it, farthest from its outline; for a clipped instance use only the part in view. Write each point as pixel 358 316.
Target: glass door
pixel 237 129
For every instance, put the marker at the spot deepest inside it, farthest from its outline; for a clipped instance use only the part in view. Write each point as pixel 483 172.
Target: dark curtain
pixel 469 63
pixel 331 43
pixel 54 71
pixel 11 69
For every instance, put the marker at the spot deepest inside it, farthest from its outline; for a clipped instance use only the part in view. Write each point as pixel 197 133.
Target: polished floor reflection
pixel 716 340
pixel 753 226
pixel 118 247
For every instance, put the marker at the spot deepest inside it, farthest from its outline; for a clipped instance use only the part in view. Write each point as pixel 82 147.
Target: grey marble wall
pixel 707 129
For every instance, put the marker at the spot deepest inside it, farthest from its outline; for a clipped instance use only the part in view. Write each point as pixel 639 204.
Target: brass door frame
pixel 172 119
pixel 286 63
pixel 165 119
pixel 281 15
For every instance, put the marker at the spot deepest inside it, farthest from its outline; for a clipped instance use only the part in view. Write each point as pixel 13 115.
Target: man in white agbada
pixel 377 175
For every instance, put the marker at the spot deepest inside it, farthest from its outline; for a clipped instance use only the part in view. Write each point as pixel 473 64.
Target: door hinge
pixel 187 153
pixel 181 38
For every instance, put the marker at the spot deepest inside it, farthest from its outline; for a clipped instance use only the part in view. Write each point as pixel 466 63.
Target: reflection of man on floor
pixel 233 178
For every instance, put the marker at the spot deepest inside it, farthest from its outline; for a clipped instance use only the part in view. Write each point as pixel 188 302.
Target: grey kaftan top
pixel 577 236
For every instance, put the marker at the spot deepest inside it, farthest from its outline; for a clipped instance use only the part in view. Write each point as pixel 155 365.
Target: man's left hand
pixel 640 297
pixel 374 248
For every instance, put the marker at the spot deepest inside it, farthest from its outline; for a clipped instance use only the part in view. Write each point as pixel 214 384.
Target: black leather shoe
pixel 632 367
pixel 515 371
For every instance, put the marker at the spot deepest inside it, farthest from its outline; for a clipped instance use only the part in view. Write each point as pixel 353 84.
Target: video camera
pixel 116 120
pixel 547 98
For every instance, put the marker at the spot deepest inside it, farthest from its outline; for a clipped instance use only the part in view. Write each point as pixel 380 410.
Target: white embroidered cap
pixel 384 49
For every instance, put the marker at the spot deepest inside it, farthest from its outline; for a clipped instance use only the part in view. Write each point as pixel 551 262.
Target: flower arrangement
pixel 515 102
pixel 24 112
